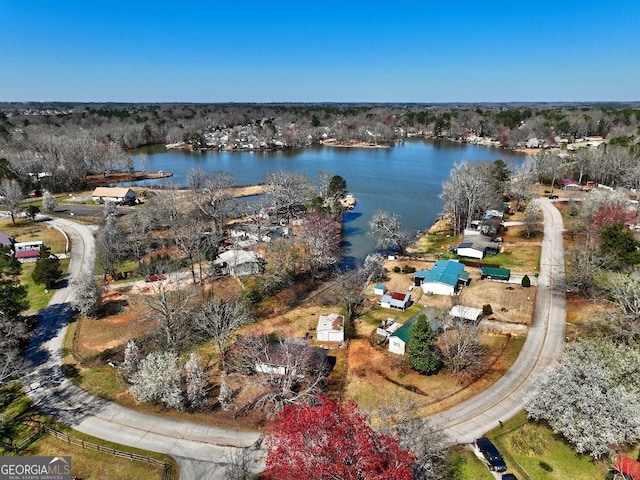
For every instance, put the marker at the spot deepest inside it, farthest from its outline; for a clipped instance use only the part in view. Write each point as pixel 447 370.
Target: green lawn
pixel 470 466
pixel 37 295
pixel 528 445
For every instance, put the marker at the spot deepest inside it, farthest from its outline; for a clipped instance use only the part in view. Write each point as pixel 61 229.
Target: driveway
pixel 201 451
pixel 471 419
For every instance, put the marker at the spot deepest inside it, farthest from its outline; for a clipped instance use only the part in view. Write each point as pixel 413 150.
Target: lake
pixel 405 179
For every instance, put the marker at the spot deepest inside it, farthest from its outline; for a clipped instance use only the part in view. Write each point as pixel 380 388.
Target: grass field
pixel 86 463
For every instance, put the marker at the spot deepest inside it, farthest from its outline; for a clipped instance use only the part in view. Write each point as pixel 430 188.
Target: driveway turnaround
pixel 202 451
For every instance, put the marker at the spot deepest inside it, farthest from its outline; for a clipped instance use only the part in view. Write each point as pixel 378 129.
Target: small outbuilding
pixel 330 328
pixel 6 240
pixel 493 273
pixel 118 195
pixel 379 289
pixel 397 300
pixel 463 312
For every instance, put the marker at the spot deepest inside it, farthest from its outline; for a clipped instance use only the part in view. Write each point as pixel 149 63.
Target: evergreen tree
pixel 526 281
pixel 13 296
pixel 424 355
pixel 47 268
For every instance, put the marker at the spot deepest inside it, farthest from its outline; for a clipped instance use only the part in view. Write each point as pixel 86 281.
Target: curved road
pixel 473 418
pixel 201 451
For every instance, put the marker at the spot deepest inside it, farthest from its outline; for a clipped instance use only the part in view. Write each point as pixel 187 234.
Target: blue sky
pixel 330 51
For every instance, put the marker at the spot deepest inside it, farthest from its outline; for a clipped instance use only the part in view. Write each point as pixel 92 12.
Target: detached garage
pixel 492 273
pixel 330 328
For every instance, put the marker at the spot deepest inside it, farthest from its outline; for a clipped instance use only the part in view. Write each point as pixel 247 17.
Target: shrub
pixel 545 466
pixel 486 309
pixel 526 281
pixel 397 269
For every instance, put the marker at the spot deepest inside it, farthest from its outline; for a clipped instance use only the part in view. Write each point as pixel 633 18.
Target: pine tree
pixel 13 296
pixel 424 355
pixel 47 268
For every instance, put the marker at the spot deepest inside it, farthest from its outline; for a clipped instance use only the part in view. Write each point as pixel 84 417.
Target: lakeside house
pixel 443 278
pixel 118 195
pixel 476 246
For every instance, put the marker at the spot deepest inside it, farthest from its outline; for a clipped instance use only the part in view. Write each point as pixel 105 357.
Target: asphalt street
pixel 202 451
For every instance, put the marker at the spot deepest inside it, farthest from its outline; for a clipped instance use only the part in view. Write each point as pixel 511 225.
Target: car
pixel 156 277
pixel 497 240
pixel 509 476
pixel 553 197
pixel 491 455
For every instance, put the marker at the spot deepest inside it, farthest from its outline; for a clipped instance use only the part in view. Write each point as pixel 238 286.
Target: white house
pixel 330 328
pixel 398 339
pixel 476 246
pixel 240 262
pixel 119 195
pixel 442 279
pixel 397 300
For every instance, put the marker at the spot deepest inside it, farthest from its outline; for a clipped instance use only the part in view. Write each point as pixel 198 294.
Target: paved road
pixel 200 450
pixel 471 419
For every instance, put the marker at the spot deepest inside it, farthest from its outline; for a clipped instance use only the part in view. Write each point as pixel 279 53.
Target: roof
pixel 444 271
pixel 331 321
pixel 237 257
pixel 495 272
pixel 628 466
pixel 464 312
pixel 5 239
pixel 396 299
pixel 116 192
pixel 28 254
pixel 432 317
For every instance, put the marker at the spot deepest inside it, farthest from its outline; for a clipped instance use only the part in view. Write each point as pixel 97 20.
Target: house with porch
pixel 118 195
pixel 399 338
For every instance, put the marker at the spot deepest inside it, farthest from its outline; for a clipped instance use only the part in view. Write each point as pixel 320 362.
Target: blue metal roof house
pixel 443 278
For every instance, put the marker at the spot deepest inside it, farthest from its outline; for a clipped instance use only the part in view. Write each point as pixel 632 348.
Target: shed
pixel 465 313
pixel 442 279
pixel 330 328
pixel 379 289
pixel 397 300
pixel 493 273
pixel 476 246
pixel 114 194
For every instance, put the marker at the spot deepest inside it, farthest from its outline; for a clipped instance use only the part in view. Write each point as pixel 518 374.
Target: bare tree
pixel 111 246
pixel 387 229
pixel 460 346
pixel 12 363
pixel 321 236
pixel 624 292
pixel 290 192
pixel 48 201
pixel 211 194
pixel 86 293
pixel 169 303
pixel 11 197
pixel 279 373
pixel 218 320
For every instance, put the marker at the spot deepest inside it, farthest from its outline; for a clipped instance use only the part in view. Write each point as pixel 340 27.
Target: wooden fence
pixel 134 457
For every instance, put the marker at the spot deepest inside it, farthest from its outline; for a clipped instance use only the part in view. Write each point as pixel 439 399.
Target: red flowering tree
pixel 611 215
pixel 332 441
